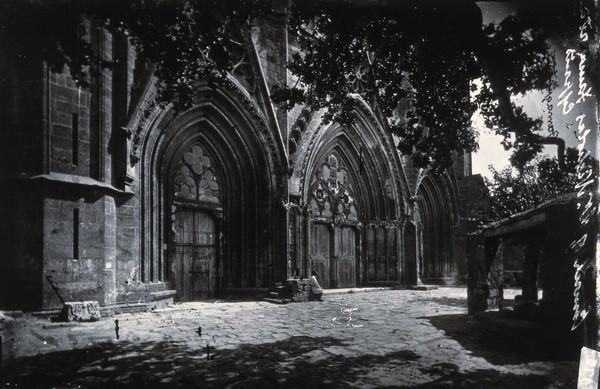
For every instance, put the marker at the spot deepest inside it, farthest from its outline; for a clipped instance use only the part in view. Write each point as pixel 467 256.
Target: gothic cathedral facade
pixel 106 197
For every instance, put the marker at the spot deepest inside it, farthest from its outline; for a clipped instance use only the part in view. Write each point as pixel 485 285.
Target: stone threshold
pixel 423 287
pixel 163 294
pixel 278 300
pixel 117 309
pixel 357 290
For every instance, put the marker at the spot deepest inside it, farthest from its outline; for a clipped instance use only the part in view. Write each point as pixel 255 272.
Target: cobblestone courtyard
pixel 386 338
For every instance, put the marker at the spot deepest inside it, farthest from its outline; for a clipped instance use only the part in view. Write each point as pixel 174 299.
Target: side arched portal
pixel 211 196
pixel 438 215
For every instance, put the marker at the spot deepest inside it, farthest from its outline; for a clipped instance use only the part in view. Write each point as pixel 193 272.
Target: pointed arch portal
pixel 354 205
pixel 211 195
pixel 334 224
pixel 437 216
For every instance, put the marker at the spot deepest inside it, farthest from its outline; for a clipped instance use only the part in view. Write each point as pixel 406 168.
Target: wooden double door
pixel 381 255
pixel 333 255
pixel 195 253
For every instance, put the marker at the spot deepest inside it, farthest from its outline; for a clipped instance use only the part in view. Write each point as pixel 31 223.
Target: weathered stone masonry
pixel 231 196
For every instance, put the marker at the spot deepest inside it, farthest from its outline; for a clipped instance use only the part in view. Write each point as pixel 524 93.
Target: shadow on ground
pixel 457 302
pixel 504 341
pixel 450 377
pixel 298 362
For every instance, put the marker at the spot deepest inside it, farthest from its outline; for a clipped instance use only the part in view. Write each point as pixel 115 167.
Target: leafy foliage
pixel 185 41
pixel 414 61
pixel 538 182
pixel 405 55
pixel 418 63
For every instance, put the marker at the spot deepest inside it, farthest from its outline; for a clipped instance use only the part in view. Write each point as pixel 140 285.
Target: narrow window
pixel 76 233
pixel 75 139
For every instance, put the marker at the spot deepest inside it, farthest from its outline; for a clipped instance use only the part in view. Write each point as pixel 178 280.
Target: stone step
pixel 164 294
pixel 161 298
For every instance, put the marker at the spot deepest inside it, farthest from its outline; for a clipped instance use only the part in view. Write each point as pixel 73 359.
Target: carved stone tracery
pixel 331 195
pixel 195 178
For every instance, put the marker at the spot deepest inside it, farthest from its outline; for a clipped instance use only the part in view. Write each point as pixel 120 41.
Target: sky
pixel 490 150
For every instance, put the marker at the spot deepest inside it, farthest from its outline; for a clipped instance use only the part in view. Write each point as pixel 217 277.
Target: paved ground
pixel 393 338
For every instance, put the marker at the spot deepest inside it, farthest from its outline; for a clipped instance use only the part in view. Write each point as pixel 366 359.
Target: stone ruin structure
pixel 539 251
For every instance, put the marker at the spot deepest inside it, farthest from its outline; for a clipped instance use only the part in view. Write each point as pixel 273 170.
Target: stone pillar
pixel 495 276
pixel 361 257
pixel 419 252
pixel 109 287
pixel 409 276
pixel 477 286
pixel 530 270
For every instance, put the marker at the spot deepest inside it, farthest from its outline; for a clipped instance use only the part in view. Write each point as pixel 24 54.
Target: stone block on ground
pixel 81 311
pixel 161 299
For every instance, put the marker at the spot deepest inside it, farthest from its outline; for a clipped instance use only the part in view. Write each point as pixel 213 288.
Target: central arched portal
pixel 354 203
pixel 334 225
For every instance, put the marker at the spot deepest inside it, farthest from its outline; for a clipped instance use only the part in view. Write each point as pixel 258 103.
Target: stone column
pixel 419 252
pixel 109 286
pixel 495 276
pixel 530 270
pixel 477 287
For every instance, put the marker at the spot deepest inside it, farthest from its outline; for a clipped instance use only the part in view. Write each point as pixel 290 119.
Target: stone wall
pixel 23 153
pixel 21 248
pixel 73 251
pixel 63 181
pixel 69 116
pixel 128 272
